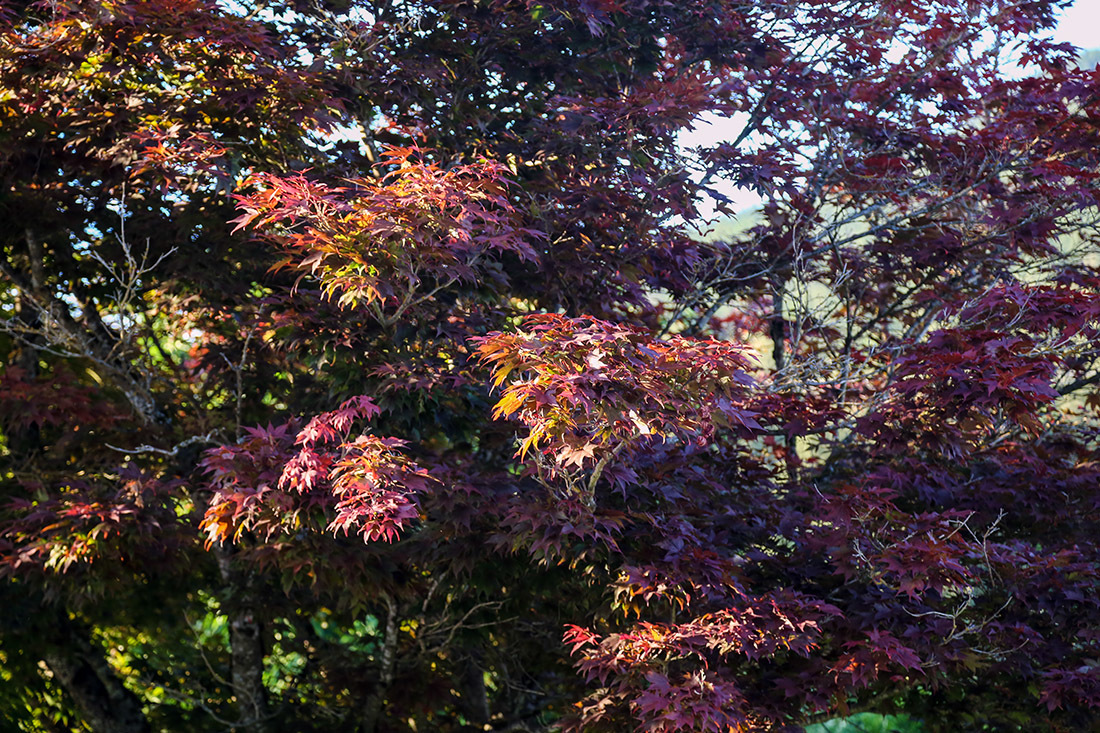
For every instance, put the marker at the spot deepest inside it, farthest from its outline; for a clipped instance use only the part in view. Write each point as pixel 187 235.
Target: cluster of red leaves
pixel 276 483
pixel 1002 361
pixel 391 242
pixel 866 535
pixel 636 666
pixel 103 69
pixel 962 371
pixel 53 401
pixel 180 157
pixel 375 486
pixel 587 388
pixel 864 660
pixel 244 481
pixel 1060 312
pixel 562 529
pixel 81 524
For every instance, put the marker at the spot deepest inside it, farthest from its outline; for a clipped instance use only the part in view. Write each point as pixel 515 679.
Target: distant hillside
pixel 729 227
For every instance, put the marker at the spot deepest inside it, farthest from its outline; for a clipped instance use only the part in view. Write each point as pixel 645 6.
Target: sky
pixel 1079 25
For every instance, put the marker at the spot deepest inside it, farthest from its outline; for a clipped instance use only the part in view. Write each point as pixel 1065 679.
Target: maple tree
pixel 368 366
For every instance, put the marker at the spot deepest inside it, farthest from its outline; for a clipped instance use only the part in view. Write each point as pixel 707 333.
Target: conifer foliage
pixel 368 366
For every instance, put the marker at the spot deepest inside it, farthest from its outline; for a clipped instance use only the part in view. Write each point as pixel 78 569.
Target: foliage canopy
pixel 366 366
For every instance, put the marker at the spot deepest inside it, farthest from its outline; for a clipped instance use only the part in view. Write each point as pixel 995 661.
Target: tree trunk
pixel 245 647
pixel 80 668
pixel 475 698
pixel 778 329
pixel 372 709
